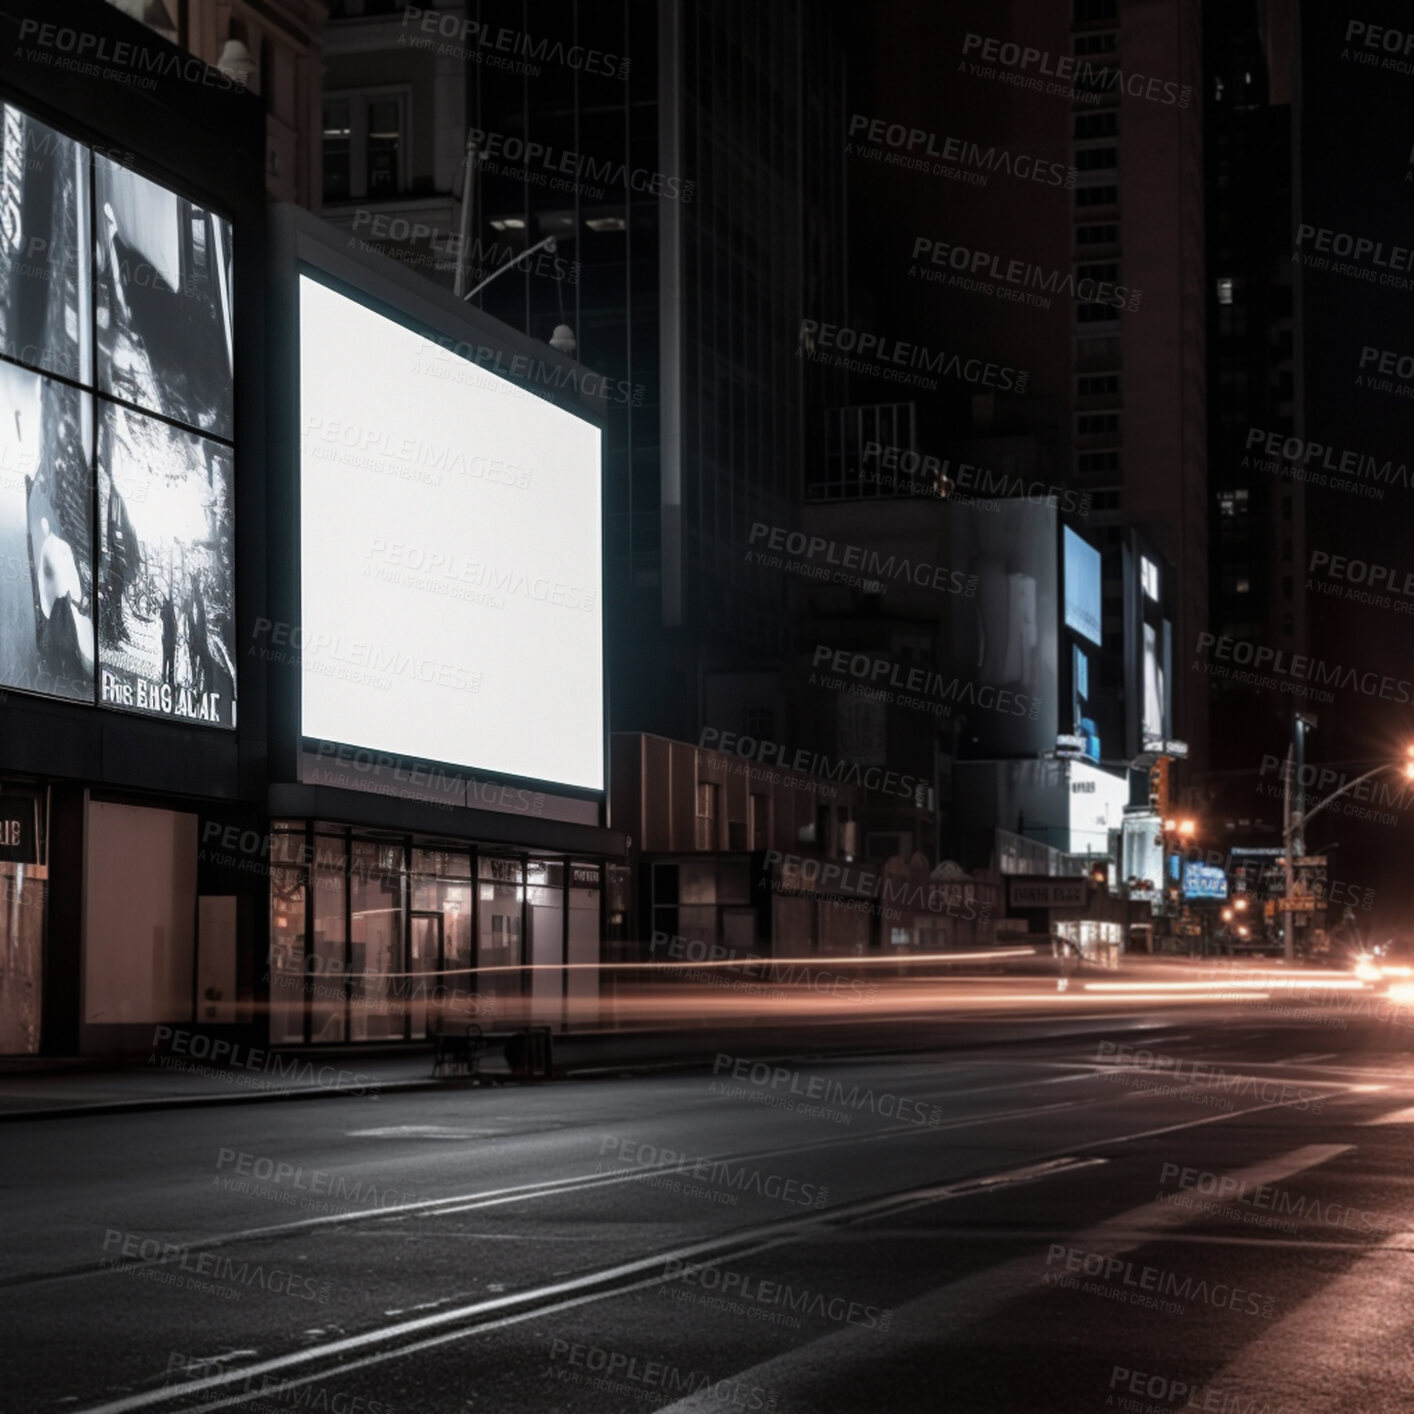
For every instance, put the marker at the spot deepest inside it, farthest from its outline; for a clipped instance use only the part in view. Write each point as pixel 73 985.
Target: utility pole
pixel 1293 826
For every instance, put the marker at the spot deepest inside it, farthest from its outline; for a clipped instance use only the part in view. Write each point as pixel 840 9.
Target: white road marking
pixel 917 1326
pixel 1405 1116
pixel 737 1243
pixel 1366 1313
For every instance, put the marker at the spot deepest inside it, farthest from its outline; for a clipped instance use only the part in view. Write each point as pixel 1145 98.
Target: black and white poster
pixel 45 318
pixel 165 340
pixel 166 622
pixel 46 536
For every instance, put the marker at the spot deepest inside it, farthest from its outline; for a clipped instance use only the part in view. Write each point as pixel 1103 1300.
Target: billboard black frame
pixel 302 244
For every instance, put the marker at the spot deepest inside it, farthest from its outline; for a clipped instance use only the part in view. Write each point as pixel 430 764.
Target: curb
pixel 429 1086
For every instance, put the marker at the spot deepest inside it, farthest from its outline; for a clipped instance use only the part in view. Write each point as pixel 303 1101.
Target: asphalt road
pixel 1220 1220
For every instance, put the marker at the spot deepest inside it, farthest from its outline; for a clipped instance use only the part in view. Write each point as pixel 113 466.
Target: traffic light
pixel 1159 786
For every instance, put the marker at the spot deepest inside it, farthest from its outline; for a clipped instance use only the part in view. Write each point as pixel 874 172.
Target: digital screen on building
pixel 1203 881
pixel 451 562
pixel 1082 586
pixel 1154 689
pixel 1097 801
pixel 1005 649
pixel 116 465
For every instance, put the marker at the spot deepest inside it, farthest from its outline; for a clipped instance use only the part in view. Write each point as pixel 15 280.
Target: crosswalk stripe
pixel 919 1325
pixel 1316 1361
pixel 1405 1116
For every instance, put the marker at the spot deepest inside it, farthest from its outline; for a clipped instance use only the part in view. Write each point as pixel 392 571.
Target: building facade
pixel 184 846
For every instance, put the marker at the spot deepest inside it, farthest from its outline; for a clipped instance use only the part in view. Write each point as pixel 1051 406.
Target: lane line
pixel 591 1285
pixel 1158 1216
pixel 548 1188
pixel 919 1326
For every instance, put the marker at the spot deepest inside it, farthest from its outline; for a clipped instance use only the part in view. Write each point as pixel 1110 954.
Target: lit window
pixel 1149 577
pixel 1243 585
pixel 1225 290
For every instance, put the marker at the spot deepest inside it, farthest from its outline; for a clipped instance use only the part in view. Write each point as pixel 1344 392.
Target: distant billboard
pixel 1096 806
pixel 1203 881
pixel 1154 686
pixel 1082 586
pixel 1006 635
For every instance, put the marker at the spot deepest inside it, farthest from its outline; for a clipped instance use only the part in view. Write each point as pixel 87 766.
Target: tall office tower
pixel 1140 414
pixel 686 158
pixel 1074 170
pixel 1257 521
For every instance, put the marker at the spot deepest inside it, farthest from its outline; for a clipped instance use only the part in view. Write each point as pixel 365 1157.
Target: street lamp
pixel 1295 820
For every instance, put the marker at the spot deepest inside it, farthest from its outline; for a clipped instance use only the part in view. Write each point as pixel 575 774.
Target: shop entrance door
pixel 425 964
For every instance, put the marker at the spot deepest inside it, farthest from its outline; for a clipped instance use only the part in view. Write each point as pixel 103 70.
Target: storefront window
pixel 585 912
pixel 287 905
pixel 501 896
pixel 545 911
pixel 384 939
pixel 442 983
pixel 326 962
pixel 376 929
pixel 23 892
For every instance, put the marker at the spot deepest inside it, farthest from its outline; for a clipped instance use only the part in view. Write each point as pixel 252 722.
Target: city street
pixel 706 707
pixel 1207 1209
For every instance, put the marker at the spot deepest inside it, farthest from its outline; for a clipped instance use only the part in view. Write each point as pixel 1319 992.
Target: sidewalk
pixel 51 1088
pixel 44 1088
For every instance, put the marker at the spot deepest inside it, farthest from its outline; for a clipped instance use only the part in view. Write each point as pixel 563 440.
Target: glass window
pixel 376 934
pixel 501 896
pixel 1096 159
pixel 1097 124
pixel 1104 233
pixel 708 801
pixel 326 961
pixel 365 136
pixel 287 955
pixel 1096 385
pixel 442 914
pixel 759 822
pixel 385 141
pixel 338 149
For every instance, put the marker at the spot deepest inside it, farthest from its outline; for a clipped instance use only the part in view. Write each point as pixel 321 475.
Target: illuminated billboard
pixel 1005 634
pixel 1203 881
pixel 450 555
pixel 116 484
pixel 1082 586
pixel 1096 806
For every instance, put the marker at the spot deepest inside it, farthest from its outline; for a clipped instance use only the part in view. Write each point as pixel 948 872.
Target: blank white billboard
pixel 451 564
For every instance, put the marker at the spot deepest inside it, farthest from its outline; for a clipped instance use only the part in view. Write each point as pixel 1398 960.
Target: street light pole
pixel 547 244
pixel 1293 836
pixel 1294 828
